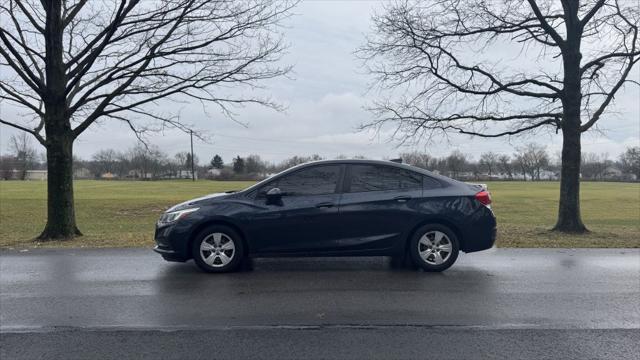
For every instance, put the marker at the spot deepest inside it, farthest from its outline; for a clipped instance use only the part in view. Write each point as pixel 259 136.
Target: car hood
pixel 199 201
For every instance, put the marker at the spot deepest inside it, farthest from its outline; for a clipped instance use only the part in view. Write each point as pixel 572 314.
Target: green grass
pixel 123 213
pixel 109 213
pixel 526 212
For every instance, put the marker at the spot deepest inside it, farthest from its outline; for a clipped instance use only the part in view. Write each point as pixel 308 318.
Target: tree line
pixel 529 163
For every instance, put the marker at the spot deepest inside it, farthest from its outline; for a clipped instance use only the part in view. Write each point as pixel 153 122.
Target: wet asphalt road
pixel 506 303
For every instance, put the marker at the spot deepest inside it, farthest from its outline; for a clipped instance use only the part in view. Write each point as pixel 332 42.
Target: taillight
pixel 484 197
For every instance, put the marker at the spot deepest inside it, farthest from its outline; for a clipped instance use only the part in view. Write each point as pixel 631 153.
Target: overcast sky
pixel 325 99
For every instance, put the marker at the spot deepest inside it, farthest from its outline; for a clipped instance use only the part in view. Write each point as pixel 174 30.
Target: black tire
pixel 217 238
pixel 398 262
pixel 402 262
pixel 424 253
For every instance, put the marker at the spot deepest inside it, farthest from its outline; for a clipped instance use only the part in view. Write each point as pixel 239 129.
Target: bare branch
pixel 74 11
pixel 18 64
pixel 545 25
pixel 33 132
pixel 29 16
pixel 592 13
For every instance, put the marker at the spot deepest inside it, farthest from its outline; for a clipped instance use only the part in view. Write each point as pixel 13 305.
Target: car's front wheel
pixel 218 249
pixel 434 247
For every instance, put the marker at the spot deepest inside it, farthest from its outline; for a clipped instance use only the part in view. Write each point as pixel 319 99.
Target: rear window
pixel 430 183
pixel 382 178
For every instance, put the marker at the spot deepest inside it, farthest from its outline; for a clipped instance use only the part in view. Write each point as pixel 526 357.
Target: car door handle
pixel 402 198
pixel 325 205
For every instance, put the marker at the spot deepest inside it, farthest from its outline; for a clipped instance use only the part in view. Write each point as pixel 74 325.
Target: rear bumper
pixel 481 233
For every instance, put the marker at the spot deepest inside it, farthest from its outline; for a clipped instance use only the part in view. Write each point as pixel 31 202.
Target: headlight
pixel 168 218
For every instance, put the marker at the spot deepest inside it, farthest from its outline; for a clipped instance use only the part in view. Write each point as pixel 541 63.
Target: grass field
pixel 123 213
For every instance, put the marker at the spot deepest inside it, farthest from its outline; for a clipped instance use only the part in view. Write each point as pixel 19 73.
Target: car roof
pixel 362 162
pixel 445 179
pixel 370 162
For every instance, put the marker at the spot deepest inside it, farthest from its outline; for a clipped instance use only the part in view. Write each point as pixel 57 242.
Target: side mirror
pixel 274 196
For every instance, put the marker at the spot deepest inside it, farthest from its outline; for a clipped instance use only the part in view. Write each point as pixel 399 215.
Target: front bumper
pixel 171 244
pixel 168 254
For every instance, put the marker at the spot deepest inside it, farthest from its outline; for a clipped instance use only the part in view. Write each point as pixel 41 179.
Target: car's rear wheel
pixel 434 247
pixel 218 249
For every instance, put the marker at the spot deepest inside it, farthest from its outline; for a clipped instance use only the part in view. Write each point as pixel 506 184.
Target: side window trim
pixel 346 187
pixel 340 186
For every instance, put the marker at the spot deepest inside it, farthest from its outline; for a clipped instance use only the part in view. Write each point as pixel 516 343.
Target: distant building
pixel 108 176
pixel 613 173
pixel 548 175
pixel 28 175
pixel 139 174
pixel 214 172
pixel 179 174
pixel 185 174
pixel 82 173
pixel 35 174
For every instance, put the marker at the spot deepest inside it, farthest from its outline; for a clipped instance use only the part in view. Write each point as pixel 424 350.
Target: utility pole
pixel 193 174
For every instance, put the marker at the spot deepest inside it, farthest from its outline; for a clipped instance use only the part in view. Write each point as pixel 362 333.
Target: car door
pixel 304 220
pixel 378 206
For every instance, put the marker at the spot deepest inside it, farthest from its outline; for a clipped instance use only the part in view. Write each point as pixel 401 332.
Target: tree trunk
pixel 569 218
pixel 61 218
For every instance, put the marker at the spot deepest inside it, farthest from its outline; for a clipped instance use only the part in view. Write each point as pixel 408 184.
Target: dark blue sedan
pixel 333 208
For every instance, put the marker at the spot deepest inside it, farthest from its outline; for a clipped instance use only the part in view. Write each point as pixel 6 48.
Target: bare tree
pixel 532 159
pixel 23 151
pixel 67 64
pixel 254 164
pixel 172 167
pixel 183 160
pixel 440 53
pixel 6 167
pixel 630 160
pixel 105 161
pixel 594 166
pixel 418 159
pixel 456 162
pixel 296 160
pixel 191 159
pixel 520 162
pixel 123 164
pixel 505 165
pixel 489 161
pixel 146 161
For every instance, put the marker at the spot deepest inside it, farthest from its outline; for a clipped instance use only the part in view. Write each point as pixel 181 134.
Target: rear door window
pixel 366 178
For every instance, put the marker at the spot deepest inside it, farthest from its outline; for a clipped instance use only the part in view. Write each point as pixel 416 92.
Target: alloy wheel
pixel 435 247
pixel 217 249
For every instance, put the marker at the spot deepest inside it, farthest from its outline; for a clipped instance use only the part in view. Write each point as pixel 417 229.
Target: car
pixel 333 208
